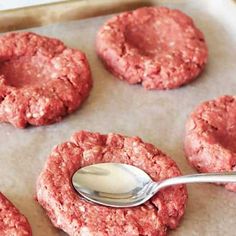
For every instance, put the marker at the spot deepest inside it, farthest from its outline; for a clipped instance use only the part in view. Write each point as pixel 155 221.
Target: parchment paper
pixel 114 106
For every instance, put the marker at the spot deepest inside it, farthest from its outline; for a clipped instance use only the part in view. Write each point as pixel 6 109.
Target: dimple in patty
pixel 26 71
pixel 154 38
pixel 220 117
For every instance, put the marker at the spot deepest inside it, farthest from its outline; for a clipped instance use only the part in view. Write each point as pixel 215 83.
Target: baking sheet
pixel 64 10
pixel 114 106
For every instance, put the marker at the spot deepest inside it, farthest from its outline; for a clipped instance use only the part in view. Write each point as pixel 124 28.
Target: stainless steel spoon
pixel 121 185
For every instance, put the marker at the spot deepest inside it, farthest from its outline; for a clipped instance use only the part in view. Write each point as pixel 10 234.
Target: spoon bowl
pixel 122 185
pixel 111 184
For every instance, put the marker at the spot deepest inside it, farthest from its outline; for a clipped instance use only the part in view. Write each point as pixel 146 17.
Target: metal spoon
pixel 121 185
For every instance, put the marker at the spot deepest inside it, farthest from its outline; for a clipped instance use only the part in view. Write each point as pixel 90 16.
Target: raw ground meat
pixel 12 222
pixel 210 139
pixel 69 212
pixel 157 47
pixel 41 80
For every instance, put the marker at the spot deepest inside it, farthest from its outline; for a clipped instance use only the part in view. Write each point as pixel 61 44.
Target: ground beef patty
pixel 155 46
pixel 41 80
pixel 68 211
pixel 12 222
pixel 210 139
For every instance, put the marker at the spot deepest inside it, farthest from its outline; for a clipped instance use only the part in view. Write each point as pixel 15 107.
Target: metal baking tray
pixel 61 11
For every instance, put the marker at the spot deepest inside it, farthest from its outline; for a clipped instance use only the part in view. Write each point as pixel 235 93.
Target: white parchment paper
pixel 114 106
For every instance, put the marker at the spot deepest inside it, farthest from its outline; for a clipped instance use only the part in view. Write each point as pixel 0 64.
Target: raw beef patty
pixel 41 80
pixel 210 139
pixel 157 47
pixel 12 222
pixel 68 211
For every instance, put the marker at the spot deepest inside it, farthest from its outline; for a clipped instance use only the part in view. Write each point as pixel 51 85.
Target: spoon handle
pixel 223 177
